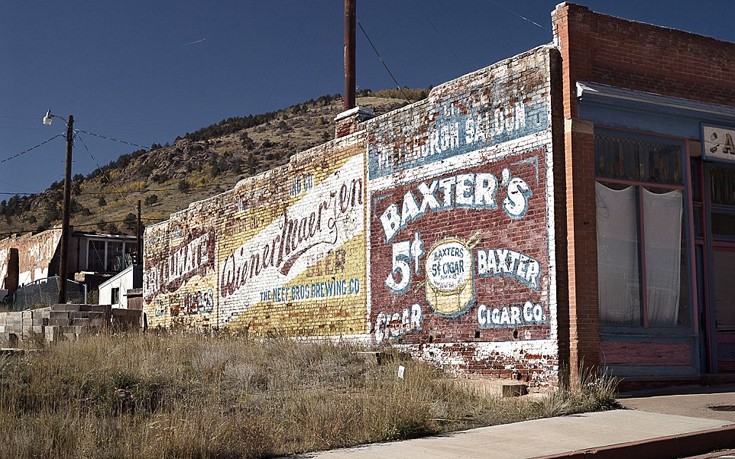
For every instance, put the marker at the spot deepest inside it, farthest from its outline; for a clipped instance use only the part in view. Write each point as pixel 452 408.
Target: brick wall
pixel 627 54
pixel 35 254
pixel 461 223
pixel 430 227
pixel 282 253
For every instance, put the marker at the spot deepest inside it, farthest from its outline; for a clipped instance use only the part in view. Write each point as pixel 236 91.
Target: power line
pixel 383 62
pixel 288 56
pixel 438 32
pixel 518 15
pixel 30 149
pixel 111 139
pixel 106 176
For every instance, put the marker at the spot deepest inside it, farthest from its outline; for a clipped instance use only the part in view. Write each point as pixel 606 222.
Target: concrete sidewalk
pixel 660 424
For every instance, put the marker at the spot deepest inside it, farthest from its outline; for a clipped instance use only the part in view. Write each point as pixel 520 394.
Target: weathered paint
pixel 461 222
pixel 297 264
pixel 179 267
pixel 447 247
pixel 35 253
pixel 647 353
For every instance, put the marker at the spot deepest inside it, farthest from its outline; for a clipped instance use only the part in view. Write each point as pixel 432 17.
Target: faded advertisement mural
pixel 36 252
pixel 179 275
pixel 430 227
pixel 461 216
pixel 291 260
pixel 470 239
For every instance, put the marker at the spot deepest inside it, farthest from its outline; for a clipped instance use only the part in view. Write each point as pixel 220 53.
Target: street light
pixel 66 209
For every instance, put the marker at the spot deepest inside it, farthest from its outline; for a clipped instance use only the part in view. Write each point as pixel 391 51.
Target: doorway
pixel 723 266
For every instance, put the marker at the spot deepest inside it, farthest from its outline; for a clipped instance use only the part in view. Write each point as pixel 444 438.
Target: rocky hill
pixel 198 165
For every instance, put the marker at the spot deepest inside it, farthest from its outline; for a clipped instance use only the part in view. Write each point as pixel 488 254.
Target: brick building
pixel 570 205
pixel 93 258
pixel 649 118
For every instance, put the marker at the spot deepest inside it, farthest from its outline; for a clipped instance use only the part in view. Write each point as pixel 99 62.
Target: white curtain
pixel 662 215
pixel 617 256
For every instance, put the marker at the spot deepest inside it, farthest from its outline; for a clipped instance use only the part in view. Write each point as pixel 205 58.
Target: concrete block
pixel 37 329
pixel 58 314
pixel 59 322
pixel 72 329
pixel 82 322
pixel 494 387
pixel 52 333
pixel 69 336
pixel 86 315
pixel 513 389
pixel 14 318
pixel 65 308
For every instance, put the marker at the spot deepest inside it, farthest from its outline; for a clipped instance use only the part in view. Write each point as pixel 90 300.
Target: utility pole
pixel 349 51
pixel 139 239
pixel 66 212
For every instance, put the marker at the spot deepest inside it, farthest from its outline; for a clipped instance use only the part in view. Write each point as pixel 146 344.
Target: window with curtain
pixel 640 257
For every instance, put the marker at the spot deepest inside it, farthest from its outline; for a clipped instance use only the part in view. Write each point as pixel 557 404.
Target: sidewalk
pixel 666 423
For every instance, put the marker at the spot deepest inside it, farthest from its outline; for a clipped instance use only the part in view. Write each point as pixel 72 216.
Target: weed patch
pixel 196 396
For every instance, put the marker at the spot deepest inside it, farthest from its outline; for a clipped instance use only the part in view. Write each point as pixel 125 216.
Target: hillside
pixel 197 165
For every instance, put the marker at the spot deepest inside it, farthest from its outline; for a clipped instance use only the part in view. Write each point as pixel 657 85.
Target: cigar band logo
pixel 450 288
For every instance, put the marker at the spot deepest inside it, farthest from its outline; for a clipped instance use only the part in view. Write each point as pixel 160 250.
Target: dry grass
pixel 195 396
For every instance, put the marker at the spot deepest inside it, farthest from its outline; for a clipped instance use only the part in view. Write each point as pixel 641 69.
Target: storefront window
pixel 639 197
pixel 722 186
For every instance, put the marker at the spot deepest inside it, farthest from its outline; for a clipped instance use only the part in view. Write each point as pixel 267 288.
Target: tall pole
pixel 349 50
pixel 139 239
pixel 66 212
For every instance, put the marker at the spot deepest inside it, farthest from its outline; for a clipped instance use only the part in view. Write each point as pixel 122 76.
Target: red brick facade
pixel 630 55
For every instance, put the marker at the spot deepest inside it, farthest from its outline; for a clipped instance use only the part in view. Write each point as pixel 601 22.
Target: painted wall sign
pixel 193 256
pixel 445 237
pixel 304 255
pixel 310 227
pixel 35 254
pixel 449 282
pixel 441 213
pixel 718 142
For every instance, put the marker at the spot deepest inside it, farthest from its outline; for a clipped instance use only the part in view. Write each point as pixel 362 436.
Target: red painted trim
pixel 691 255
pixel 647 353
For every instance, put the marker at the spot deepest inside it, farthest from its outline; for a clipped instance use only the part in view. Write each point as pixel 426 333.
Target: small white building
pixel 114 290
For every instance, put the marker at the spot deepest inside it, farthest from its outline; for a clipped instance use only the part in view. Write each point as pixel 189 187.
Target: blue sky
pixel 147 71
